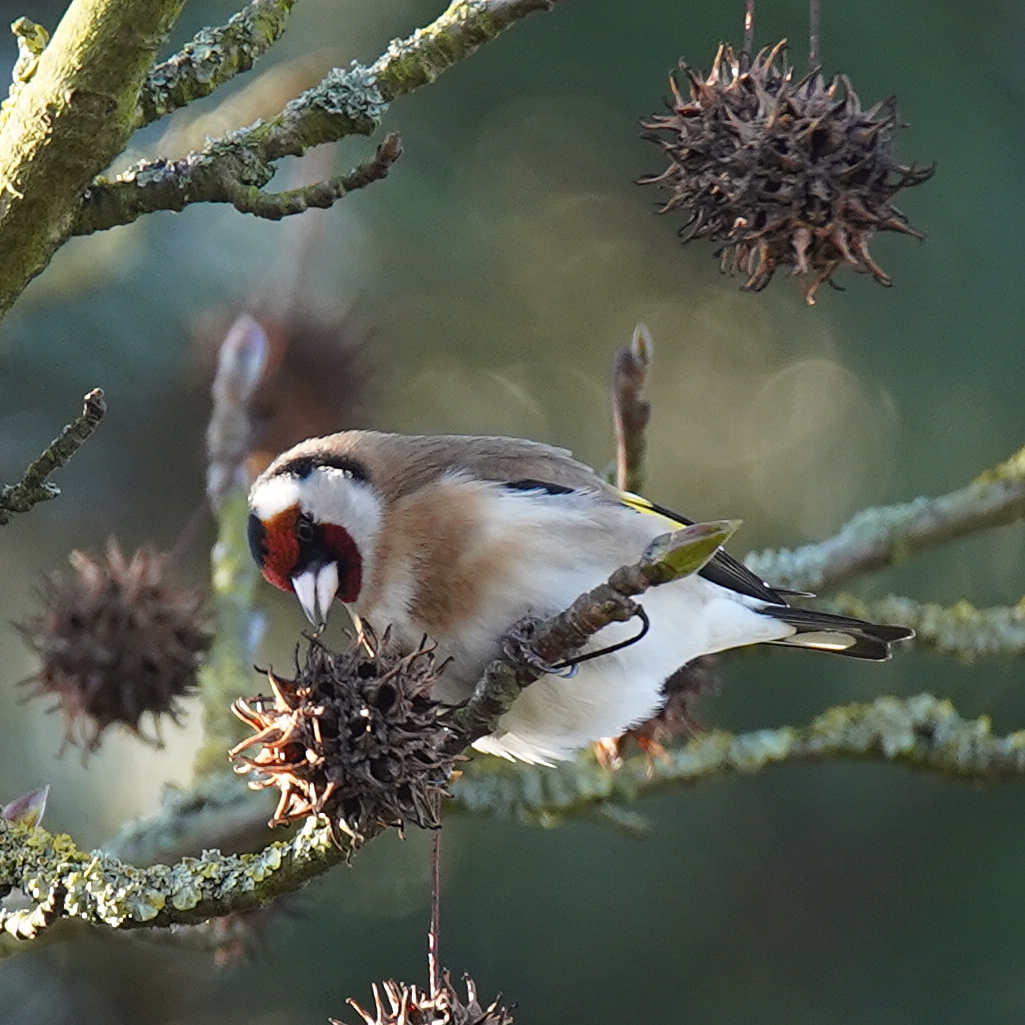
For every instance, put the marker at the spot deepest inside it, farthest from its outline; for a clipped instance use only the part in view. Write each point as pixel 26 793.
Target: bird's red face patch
pixel 343 550
pixel 288 543
pixel 275 546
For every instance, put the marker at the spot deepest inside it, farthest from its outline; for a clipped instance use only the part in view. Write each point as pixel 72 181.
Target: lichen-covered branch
pixel 63 882
pixel 631 410
pixel 959 629
pixel 211 58
pixel 67 118
pixel 33 487
pixel 921 732
pixel 879 537
pixel 350 101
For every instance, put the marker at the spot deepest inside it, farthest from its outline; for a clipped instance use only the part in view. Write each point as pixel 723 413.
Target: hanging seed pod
pixel 781 173
pixel 406 1005
pixel 355 736
pixel 116 641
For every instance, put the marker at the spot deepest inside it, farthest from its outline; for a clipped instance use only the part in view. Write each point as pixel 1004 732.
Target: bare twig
pixel 211 58
pixel 813 34
pixel 33 487
pixel 272 206
pixel 630 410
pixel 879 537
pixel 351 101
pixel 749 26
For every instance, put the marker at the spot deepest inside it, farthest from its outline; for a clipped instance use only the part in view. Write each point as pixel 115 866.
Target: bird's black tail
pixel 842 635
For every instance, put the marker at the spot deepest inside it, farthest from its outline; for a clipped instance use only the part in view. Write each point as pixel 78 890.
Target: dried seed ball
pixel 406 1005
pixel 781 173
pixel 116 641
pixel 355 736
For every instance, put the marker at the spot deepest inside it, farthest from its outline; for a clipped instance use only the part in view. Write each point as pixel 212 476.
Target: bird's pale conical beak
pixel 316 589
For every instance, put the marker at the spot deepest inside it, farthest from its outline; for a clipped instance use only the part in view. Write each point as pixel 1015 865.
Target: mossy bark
pixel 67 121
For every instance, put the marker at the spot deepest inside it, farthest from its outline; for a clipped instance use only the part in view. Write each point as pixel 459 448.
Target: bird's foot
pixel 518 646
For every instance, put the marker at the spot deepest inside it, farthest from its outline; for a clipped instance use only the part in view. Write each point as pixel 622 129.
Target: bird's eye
pixel 304 530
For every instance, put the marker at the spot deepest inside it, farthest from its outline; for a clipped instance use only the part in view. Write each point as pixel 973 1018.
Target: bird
pixel 458 538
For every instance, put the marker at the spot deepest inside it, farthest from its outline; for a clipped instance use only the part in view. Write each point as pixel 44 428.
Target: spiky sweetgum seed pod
pixel 355 736
pixel 781 173
pixel 406 1005
pixel 116 641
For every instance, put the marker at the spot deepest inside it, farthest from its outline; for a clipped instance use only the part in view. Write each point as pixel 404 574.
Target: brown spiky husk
pixel 781 173
pixel 406 1005
pixel 355 736
pixel 116 641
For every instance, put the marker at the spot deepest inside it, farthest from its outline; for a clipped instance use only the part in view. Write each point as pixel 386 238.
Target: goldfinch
pixel 460 537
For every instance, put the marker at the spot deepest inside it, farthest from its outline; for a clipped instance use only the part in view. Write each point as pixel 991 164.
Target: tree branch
pixel 63 882
pixel 65 120
pixel 346 102
pixel 880 537
pixel 33 487
pixel 920 732
pixel 211 58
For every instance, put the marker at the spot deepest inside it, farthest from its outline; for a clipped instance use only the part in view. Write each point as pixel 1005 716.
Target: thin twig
pixel 434 935
pixel 630 410
pixel 813 34
pixel 272 206
pixel 33 487
pixel 749 26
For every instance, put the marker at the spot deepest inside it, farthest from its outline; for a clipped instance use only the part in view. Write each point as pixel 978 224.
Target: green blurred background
pixel 495 273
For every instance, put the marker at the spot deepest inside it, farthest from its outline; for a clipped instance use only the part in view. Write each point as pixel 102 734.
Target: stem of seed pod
pixel 433 971
pixel 749 25
pixel 813 34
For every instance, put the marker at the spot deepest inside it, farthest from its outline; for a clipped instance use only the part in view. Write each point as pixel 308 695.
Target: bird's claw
pixel 518 646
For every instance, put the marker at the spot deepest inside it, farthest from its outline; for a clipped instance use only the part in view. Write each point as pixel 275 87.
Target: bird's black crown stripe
pixel 303 466
pixel 528 484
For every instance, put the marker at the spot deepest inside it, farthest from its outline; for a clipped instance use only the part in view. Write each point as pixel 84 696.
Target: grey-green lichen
pixel 348 101
pixel 921 731
pixel 62 881
pixel 211 58
pixel 879 537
